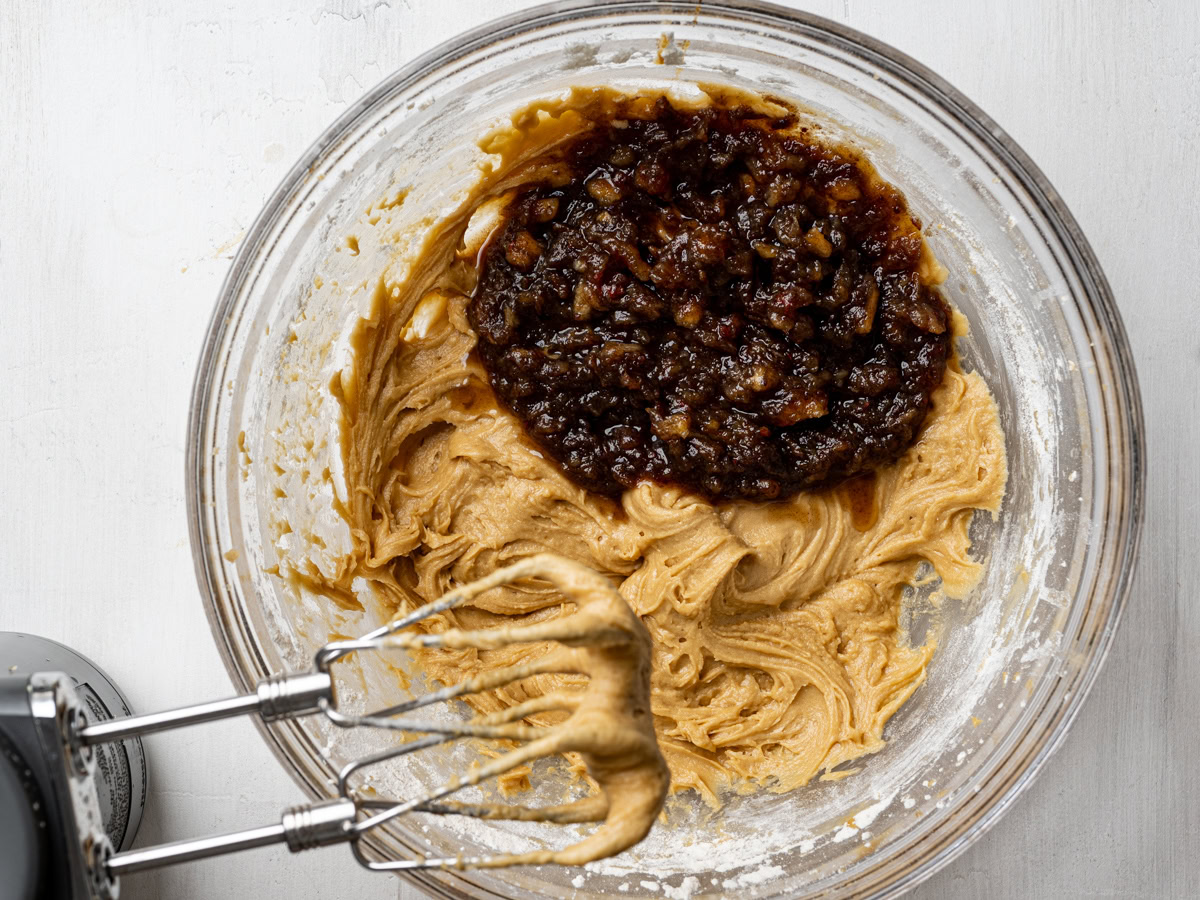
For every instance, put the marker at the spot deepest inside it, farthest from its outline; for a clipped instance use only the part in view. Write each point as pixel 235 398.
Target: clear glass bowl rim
pixel 1122 402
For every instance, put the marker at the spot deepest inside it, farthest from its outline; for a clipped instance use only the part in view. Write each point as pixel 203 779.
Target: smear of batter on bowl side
pixel 778 650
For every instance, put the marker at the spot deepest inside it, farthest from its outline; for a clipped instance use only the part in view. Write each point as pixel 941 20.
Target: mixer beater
pixel 608 723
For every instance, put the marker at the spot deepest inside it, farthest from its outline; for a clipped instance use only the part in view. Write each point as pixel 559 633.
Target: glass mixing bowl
pixel 1015 660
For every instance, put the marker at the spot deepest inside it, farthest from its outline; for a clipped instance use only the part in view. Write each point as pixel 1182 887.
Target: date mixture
pixel 712 299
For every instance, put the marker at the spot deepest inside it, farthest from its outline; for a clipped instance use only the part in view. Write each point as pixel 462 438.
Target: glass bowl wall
pixel 1014 661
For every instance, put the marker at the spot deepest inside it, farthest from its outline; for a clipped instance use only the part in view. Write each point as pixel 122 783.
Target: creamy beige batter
pixel 778 651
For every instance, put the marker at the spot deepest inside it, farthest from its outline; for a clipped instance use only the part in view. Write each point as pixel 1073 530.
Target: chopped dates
pixel 716 301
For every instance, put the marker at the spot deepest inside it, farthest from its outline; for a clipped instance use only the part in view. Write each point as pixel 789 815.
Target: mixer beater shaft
pixel 608 723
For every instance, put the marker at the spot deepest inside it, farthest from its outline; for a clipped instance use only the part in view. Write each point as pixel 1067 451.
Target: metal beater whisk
pixel 609 724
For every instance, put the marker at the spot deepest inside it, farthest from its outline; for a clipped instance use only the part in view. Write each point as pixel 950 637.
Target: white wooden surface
pixel 138 141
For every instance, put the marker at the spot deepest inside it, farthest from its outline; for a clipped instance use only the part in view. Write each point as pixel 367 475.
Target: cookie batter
pixel 778 651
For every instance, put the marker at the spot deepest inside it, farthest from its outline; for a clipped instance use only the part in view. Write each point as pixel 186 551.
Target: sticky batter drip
pixel 778 651
pixel 606 720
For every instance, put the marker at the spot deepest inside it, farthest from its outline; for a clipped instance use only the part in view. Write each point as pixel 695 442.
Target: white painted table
pixel 137 143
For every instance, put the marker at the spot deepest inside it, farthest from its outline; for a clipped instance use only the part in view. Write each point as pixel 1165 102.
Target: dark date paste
pixel 713 300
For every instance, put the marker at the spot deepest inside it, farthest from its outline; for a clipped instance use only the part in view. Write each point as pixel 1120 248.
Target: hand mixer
pixel 608 723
